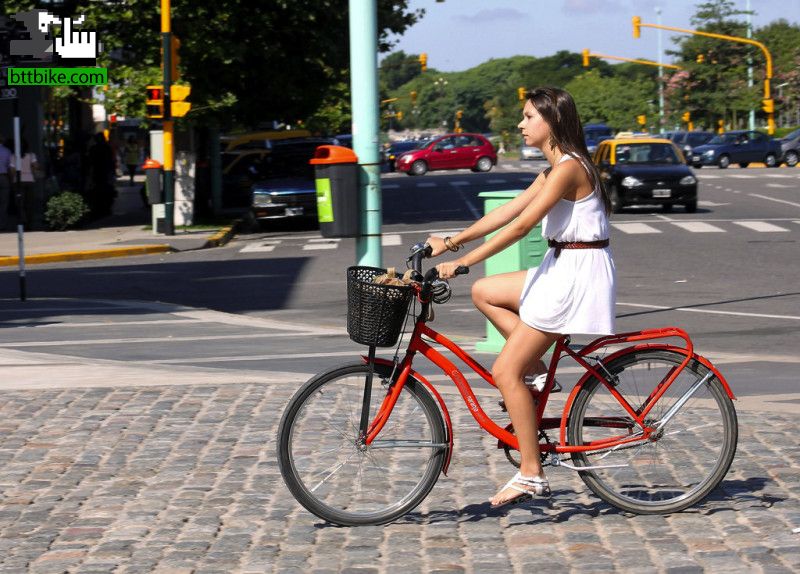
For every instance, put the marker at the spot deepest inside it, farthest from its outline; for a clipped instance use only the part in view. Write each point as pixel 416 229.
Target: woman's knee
pixel 481 291
pixel 505 375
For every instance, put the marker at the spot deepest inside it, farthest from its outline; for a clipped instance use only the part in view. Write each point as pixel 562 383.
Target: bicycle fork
pixel 362 426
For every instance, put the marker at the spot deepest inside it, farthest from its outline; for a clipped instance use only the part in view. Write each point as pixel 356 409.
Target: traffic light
pixel 768 105
pixel 414 98
pixel 177 94
pixel 686 116
pixel 585 58
pixel 399 115
pixel 521 94
pixel 641 119
pixel 700 58
pixel 423 61
pixel 637 22
pixel 459 114
pixel 174 58
pixel 154 102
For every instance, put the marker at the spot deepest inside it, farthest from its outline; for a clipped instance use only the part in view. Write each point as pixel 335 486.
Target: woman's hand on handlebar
pixel 437 245
pixel 448 270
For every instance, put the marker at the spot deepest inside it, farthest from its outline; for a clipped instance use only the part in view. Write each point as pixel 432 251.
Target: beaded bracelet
pixel 452 246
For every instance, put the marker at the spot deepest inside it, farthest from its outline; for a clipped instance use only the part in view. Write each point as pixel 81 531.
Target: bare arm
pixel 493 220
pixel 560 182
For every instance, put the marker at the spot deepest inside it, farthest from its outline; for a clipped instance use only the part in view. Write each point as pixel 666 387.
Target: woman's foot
pixel 521 489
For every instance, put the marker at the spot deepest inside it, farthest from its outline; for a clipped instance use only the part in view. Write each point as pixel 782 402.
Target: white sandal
pixel 530 486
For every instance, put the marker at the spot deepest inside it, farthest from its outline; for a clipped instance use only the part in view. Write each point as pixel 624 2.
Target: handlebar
pixel 422 251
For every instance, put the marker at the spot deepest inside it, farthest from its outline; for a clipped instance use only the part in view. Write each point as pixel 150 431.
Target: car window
pixel 466 141
pixel 602 153
pixel 647 153
pixel 447 143
pixel 756 136
pixel 792 135
pixel 697 139
pixel 723 139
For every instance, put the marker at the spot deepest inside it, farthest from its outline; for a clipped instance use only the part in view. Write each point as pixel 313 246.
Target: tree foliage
pixel 247 62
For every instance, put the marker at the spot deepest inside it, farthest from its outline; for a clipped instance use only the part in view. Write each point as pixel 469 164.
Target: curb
pixel 224 235
pixel 82 255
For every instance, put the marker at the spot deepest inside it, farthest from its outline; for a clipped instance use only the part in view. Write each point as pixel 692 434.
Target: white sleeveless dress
pixel 574 293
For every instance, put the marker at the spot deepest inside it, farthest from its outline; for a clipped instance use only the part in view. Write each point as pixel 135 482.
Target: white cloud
pixel 492 15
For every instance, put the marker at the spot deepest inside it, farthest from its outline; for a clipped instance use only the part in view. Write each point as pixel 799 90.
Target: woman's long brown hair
pixel 558 109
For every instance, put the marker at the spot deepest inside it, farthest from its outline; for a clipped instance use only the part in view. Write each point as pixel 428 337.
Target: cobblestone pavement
pixel 185 479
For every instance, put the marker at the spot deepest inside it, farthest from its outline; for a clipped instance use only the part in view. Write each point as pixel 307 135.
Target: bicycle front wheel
pixel 333 475
pixel 676 467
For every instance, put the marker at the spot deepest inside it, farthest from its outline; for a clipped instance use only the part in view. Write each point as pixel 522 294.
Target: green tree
pixel 397 69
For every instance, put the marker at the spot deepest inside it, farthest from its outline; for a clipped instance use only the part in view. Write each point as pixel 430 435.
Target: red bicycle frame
pixel 418 345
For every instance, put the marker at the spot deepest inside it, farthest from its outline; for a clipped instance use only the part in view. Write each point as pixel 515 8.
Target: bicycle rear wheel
pixel 335 477
pixel 669 471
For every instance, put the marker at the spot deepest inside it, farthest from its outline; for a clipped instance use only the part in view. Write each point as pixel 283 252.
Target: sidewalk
pixel 121 234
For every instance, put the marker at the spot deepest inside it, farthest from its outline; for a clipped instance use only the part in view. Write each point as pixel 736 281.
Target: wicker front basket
pixel 375 313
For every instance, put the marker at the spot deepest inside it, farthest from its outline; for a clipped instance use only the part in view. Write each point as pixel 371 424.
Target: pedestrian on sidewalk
pixel 5 182
pixel 131 156
pixel 101 181
pixel 571 292
pixel 29 172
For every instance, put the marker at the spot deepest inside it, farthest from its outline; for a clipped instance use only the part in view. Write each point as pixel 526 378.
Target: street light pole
pixel 660 75
pixel 751 122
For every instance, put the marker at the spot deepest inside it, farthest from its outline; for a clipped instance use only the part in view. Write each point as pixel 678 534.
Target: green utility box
pixel 526 253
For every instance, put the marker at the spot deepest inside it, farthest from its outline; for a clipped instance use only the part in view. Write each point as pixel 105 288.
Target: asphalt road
pixel 727 274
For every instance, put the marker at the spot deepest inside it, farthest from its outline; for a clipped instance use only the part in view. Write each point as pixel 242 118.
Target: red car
pixel 451 151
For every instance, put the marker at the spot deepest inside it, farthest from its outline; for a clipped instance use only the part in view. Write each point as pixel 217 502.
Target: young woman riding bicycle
pixel 571 292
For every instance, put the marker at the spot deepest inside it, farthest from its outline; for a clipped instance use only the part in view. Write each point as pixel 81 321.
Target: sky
pixel 459 34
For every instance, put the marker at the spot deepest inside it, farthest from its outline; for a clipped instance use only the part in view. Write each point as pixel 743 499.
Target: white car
pixel 528 152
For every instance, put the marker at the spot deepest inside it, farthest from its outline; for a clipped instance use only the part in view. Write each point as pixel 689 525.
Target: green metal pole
pixel 364 97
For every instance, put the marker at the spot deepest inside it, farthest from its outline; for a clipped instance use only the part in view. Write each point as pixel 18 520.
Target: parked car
pixel 687 141
pixel 395 150
pixel 451 151
pixel 286 186
pixel 596 133
pixel 639 171
pixel 790 147
pixel 742 146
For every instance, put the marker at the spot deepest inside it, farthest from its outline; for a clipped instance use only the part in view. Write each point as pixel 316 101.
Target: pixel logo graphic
pixel 43 45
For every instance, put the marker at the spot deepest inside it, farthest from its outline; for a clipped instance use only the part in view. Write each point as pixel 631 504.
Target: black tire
pixel 419 167
pixel 771 160
pixel 691 206
pixel 616 200
pixel 724 161
pixel 483 164
pixel 661 475
pixel 698 166
pixel 326 471
pixel 791 158
pixel 743 164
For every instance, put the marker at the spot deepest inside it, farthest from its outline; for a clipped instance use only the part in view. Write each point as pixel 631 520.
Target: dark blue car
pixel 742 147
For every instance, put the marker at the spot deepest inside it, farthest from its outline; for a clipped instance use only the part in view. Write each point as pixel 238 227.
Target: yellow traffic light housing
pixel 399 114
pixel 414 97
pixel 423 61
pixel 701 58
pixel 174 58
pixel 459 114
pixel 686 116
pixel 177 94
pixel 521 94
pixel 154 102
pixel 585 58
pixel 768 105
pixel 637 23
pixel 641 119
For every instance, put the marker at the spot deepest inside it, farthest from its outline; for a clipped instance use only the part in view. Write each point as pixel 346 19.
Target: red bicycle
pixel 650 427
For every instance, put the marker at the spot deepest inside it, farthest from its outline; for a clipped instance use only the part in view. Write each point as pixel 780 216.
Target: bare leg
pixel 520 355
pixel 497 297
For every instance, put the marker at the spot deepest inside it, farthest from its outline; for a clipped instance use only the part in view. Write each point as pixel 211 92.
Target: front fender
pixel 439 399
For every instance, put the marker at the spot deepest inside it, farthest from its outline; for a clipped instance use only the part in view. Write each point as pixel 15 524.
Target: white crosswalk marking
pixel 392 239
pixel 260 246
pixel 321 243
pixel 784 185
pixel 743 176
pixel 635 228
pixel 698 227
pixel 760 226
pixel 704 176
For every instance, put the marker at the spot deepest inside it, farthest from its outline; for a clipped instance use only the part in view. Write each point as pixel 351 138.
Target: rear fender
pixel 661 347
pixel 385 363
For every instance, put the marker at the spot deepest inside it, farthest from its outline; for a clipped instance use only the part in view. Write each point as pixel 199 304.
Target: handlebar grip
pixel 462 270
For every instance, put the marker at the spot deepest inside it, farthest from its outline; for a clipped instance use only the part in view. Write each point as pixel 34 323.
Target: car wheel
pixel 419 167
pixel 484 164
pixel 743 164
pixel 771 160
pixel 616 200
pixel 697 165
pixel 791 158
pixel 723 162
pixel 691 206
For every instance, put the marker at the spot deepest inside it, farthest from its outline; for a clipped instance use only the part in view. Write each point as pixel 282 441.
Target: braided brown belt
pixel 559 245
